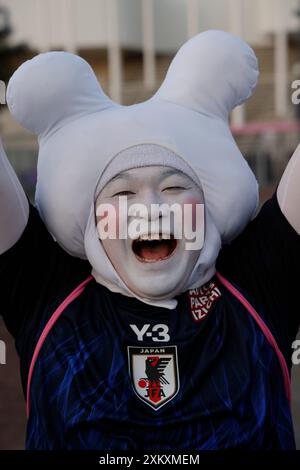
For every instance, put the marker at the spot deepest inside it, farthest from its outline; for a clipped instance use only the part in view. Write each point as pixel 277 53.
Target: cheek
pixel 114 250
pixel 193 202
pixel 110 220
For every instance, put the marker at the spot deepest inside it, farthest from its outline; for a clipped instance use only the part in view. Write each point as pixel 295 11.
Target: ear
pixel 52 89
pixel 211 73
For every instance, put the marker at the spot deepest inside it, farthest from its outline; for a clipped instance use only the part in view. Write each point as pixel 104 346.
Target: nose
pixel 149 206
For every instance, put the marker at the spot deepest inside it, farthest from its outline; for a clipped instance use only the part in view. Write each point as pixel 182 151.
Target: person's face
pixel 154 251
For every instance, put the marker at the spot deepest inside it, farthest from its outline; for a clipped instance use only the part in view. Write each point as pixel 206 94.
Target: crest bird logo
pixel 155 367
pixel 154 374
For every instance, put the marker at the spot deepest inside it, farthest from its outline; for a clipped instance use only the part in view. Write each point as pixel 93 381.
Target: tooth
pixel 143 237
pixel 154 236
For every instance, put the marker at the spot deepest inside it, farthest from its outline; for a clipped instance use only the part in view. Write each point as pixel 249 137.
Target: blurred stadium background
pixel 129 44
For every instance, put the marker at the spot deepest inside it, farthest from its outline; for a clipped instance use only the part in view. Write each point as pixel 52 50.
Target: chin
pixel 156 292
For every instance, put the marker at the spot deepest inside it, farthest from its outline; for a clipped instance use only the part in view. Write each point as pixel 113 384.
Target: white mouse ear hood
pixel 57 96
pixel 211 73
pixel 52 89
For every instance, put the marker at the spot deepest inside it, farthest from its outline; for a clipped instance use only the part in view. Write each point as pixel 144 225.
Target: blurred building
pixel 130 43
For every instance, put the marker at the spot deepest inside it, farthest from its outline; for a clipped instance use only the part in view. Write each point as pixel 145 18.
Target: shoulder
pixel 264 261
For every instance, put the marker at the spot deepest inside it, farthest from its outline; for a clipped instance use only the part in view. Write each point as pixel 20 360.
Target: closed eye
pixel 123 193
pixel 175 188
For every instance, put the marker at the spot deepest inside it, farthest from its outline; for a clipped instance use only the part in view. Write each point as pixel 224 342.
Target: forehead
pixel 147 172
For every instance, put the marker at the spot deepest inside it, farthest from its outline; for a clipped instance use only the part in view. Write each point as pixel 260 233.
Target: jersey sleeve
pixel 264 261
pixel 33 272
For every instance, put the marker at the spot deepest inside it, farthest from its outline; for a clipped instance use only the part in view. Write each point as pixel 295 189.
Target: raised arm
pixel 288 191
pixel 14 207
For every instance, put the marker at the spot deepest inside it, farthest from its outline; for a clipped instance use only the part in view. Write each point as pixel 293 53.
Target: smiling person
pixel 152 262
pixel 168 324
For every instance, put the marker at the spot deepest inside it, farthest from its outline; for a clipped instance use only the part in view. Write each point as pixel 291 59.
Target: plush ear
pixel 211 73
pixel 52 89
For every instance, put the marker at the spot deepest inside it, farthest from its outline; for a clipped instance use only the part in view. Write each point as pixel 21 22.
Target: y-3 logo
pixel 159 332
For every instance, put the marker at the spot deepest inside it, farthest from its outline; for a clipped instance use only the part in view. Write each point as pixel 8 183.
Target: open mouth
pixel 150 249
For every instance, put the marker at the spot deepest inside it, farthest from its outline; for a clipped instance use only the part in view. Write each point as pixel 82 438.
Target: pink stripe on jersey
pixel 74 294
pixel 270 338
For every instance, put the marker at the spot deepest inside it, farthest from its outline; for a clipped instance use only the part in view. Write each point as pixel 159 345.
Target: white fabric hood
pixel 80 130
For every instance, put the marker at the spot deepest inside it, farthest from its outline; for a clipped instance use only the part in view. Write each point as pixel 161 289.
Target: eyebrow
pixel 164 174
pixel 124 176
pixel 171 172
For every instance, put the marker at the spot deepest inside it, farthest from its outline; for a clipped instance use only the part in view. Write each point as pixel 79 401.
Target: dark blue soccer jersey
pixel 115 373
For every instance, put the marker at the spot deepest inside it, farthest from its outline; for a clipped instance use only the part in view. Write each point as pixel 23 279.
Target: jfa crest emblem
pixel 154 374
